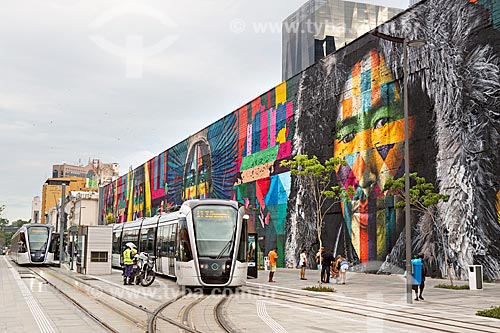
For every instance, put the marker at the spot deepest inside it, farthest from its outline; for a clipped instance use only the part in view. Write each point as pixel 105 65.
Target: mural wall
pixel 350 106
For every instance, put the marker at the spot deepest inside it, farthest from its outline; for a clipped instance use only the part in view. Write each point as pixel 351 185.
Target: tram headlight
pixel 228 266
pixel 202 266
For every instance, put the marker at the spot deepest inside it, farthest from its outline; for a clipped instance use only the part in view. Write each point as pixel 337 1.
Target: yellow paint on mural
pixel 498 206
pixel 147 190
pixel 281 137
pixel 390 133
pixel 355 226
pixel 381 235
pixel 130 181
pixel 281 94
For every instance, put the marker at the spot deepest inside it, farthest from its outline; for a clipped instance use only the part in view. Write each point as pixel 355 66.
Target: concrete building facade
pixel 81 208
pixel 52 191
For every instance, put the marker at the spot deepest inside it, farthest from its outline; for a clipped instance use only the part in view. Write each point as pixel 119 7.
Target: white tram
pixel 32 244
pixel 202 244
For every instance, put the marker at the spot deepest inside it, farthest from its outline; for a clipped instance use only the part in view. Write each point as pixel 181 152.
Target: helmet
pixel 131 245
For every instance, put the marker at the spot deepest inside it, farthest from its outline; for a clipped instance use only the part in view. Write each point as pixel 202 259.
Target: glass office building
pixel 321 26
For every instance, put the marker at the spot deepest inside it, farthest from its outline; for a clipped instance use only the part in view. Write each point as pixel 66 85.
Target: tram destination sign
pixel 209 214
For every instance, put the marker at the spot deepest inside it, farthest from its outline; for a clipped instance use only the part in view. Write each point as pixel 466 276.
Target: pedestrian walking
pixel 344 266
pixel 303 264
pixel 273 256
pixel 424 272
pixel 335 270
pixel 325 269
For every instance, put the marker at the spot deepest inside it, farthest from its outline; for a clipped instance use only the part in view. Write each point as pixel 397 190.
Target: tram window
pixel 38 238
pixel 184 250
pixel 151 241
pixel 130 236
pixel 22 243
pixel 171 243
pixel 166 239
pixel 116 243
pixel 215 229
pixel 160 241
pixel 147 240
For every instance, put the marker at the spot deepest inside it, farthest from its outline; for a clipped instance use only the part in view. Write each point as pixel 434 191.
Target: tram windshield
pixel 214 228
pixel 38 238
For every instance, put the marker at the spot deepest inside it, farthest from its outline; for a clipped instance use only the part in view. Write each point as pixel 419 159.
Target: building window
pixel 98 256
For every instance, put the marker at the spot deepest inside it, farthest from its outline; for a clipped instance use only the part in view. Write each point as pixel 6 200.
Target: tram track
pixel 77 303
pixel 220 317
pixel 147 325
pixel 426 321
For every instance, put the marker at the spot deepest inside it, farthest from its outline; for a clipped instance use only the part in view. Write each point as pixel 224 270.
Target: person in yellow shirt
pixel 128 261
pixel 273 256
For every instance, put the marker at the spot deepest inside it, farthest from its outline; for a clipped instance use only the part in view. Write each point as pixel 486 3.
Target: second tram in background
pixel 202 244
pixel 32 244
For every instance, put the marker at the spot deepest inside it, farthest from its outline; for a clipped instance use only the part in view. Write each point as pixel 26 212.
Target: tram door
pixel 160 245
pixel 171 249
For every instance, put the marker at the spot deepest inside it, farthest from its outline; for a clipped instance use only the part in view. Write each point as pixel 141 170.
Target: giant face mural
pixel 370 138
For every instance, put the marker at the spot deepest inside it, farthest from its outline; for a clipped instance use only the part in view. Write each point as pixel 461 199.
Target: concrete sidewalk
pixel 391 289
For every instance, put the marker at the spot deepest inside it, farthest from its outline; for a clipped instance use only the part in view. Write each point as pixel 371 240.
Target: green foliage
pixel 422 194
pixel 451 286
pixel 318 175
pixel 3 240
pixel 3 221
pixel 20 222
pixel 320 288
pixel 494 312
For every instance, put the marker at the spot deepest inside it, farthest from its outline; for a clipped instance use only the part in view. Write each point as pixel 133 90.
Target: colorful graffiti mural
pixel 237 157
pixel 349 105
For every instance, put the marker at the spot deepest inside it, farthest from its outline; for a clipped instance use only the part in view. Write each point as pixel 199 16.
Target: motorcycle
pixel 143 273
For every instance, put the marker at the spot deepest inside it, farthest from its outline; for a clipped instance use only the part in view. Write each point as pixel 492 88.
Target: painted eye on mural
pixel 349 137
pixel 381 122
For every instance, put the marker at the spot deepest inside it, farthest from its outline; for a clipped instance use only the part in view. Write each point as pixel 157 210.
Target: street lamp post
pixel 406 43
pixel 62 226
pixel 78 230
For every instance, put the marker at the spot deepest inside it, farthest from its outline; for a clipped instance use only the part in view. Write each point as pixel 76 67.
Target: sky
pixel 122 81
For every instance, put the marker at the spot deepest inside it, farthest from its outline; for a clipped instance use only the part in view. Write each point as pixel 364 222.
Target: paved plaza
pixel 30 305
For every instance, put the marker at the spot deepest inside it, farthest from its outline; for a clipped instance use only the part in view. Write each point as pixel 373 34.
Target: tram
pixel 31 244
pixel 202 244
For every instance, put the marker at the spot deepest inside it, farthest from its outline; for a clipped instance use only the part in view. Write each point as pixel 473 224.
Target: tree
pixel 3 221
pixel 424 198
pixel 20 223
pixel 319 177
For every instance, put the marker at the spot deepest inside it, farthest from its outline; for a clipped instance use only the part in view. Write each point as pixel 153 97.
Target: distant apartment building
pixel 52 192
pixel 96 172
pixel 36 206
pixel 320 27
pixel 412 2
